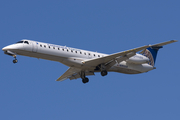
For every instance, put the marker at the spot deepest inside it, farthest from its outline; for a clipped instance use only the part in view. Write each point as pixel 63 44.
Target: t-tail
pixel 152 51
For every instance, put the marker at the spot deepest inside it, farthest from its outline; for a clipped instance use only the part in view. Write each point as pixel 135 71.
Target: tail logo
pixel 148 54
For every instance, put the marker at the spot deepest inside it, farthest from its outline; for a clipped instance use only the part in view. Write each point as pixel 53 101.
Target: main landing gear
pixel 102 67
pixel 103 70
pixel 84 78
pixel 15 60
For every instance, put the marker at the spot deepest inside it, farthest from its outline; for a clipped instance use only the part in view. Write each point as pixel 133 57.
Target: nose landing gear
pixel 15 60
pixel 84 78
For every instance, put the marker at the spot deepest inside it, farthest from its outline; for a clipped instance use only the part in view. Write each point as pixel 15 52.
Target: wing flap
pixel 76 76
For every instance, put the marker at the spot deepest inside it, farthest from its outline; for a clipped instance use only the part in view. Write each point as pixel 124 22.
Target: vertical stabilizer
pixel 151 53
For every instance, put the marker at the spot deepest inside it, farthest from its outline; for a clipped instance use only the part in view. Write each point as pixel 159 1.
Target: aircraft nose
pixel 4 48
pixel 9 47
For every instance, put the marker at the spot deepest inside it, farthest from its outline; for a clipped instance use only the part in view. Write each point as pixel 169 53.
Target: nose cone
pixel 5 48
pixel 10 47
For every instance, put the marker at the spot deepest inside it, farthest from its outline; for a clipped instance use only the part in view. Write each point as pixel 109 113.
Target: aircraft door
pixel 34 46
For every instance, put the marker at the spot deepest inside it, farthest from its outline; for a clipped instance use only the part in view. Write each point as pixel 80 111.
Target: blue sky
pixel 28 89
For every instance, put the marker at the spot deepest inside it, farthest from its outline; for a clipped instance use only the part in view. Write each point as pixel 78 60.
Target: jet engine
pixel 138 59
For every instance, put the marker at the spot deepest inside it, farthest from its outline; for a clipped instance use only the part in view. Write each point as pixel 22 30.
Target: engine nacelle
pixel 138 59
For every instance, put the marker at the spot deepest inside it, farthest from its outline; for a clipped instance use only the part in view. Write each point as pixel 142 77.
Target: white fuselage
pixel 73 57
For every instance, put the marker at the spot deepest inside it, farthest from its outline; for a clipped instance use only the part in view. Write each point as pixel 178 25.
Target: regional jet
pixel 83 63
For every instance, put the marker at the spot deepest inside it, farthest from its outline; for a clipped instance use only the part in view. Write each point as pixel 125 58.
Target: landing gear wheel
pixel 15 61
pixel 104 73
pixel 85 80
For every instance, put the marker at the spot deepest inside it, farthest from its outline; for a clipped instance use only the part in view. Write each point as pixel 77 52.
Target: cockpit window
pixel 26 42
pixel 20 41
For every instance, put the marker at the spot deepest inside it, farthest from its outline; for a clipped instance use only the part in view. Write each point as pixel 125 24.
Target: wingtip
pixel 174 40
pixel 59 79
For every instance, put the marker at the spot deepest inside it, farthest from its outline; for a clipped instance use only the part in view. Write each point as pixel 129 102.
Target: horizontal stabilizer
pixel 152 51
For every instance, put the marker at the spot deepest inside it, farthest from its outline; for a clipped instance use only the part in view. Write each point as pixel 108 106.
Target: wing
pixel 68 73
pixel 123 55
pixel 73 73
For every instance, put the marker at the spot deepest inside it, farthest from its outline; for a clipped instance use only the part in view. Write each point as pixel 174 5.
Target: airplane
pixel 83 63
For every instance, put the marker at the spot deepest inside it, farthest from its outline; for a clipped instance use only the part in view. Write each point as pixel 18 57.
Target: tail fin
pixel 152 51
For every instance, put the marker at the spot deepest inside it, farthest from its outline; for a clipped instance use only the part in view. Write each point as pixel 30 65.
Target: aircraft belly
pixel 53 56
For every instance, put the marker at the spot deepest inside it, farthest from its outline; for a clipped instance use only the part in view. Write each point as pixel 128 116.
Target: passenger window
pixel 49 47
pixel 67 50
pixel 94 55
pixel 84 53
pixel 45 46
pixel 89 54
pixel 58 49
pixel 71 50
pixel 76 51
pixel 40 45
pixel 80 52
pixel 63 49
pixel 53 47
pixel 98 55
